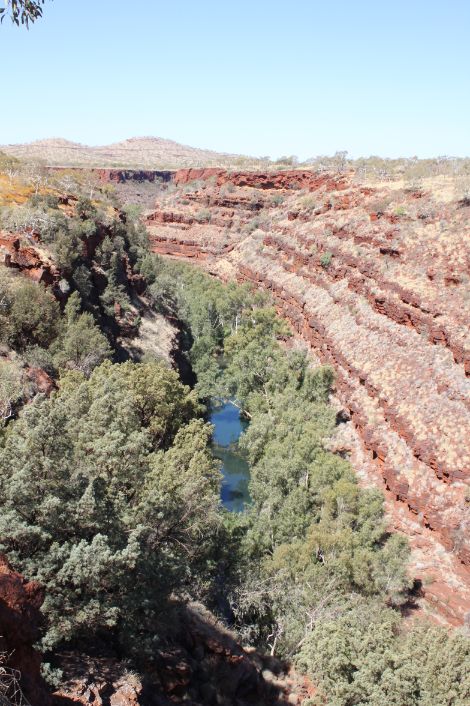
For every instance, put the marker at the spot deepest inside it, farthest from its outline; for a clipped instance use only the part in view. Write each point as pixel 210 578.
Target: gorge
pixel 374 278
pixel 309 541
pixel 234 354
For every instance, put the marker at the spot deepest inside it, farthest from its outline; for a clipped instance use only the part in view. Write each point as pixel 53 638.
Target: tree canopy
pixel 106 489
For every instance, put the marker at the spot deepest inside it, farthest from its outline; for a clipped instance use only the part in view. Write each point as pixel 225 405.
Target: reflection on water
pixel 227 429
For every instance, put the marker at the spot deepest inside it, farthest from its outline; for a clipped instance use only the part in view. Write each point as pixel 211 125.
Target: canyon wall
pixel 375 279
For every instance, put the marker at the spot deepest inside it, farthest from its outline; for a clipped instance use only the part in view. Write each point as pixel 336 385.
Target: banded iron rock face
pixel 376 280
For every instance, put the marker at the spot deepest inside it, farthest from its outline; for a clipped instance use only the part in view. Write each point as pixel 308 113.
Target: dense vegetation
pixel 105 490
pixel 108 485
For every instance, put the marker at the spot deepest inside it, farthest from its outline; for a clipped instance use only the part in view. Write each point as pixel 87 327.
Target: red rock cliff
pixel 20 619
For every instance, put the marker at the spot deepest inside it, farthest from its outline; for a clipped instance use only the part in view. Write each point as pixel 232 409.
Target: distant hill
pixel 137 152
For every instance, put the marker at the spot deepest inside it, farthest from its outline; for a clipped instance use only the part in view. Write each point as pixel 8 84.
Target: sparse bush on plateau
pixel 290 161
pixel 203 216
pixel 277 199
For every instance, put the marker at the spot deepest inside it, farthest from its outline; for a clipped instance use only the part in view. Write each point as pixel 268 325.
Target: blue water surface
pixel 236 473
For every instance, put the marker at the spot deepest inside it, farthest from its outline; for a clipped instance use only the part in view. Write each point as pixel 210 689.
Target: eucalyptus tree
pixel 22 12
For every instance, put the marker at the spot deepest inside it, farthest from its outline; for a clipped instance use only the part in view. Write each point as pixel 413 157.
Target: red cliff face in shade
pixel 376 280
pixel 20 618
pixel 120 176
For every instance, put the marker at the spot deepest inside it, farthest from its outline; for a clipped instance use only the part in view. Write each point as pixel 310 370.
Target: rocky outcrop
pixel 96 681
pixel 179 248
pixel 40 381
pixel 26 258
pixel 20 619
pixel 375 280
pixel 123 175
pixel 201 663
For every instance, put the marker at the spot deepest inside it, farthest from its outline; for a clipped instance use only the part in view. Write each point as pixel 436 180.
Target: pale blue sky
pixel 263 77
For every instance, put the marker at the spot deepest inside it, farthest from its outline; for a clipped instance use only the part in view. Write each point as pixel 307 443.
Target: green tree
pixel 81 345
pixel 30 316
pixel 359 656
pixel 311 541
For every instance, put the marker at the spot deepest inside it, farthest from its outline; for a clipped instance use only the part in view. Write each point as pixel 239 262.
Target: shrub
pixel 44 200
pixel 203 216
pixel 253 224
pixel 82 346
pixel 31 316
pixel 85 209
pixel 277 200
pixel 325 260
pixel 308 202
pixel 66 249
pixel 39 357
pixel 360 657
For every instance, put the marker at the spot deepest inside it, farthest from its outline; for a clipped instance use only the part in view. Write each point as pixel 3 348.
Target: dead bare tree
pixel 10 689
pixel 11 389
